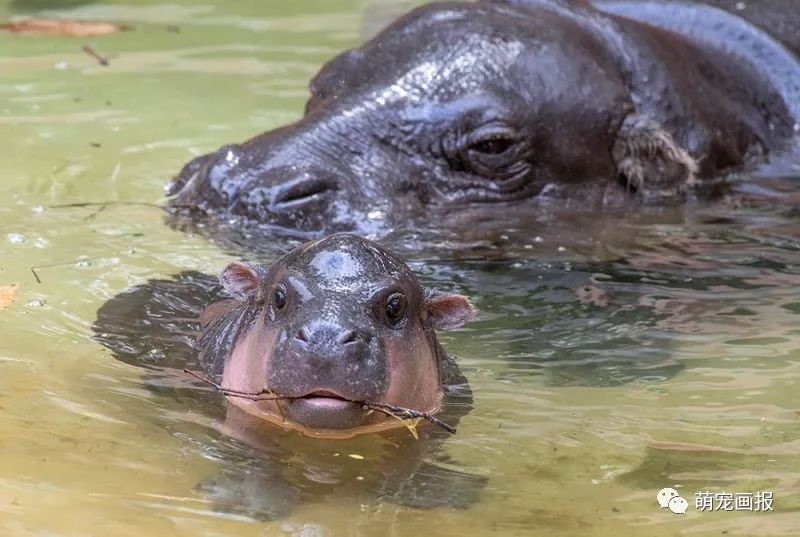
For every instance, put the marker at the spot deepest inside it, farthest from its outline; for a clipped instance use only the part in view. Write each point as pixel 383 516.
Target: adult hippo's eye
pixel 395 308
pixel 279 298
pixel 494 146
pixel 495 151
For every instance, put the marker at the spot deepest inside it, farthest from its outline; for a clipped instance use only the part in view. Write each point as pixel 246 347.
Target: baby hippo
pixel 326 335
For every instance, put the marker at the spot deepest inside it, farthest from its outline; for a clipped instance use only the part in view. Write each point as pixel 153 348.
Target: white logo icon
pixel 665 495
pixel 678 505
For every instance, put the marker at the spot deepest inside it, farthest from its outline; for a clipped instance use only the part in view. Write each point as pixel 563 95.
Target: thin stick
pixel 53 265
pixel 265 395
pixel 398 412
pixel 102 60
pixel 101 203
pixel 408 413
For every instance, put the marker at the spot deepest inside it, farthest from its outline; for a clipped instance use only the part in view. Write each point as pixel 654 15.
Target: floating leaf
pixel 8 293
pixel 62 27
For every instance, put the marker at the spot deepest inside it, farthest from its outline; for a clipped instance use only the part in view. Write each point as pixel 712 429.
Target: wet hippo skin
pixel 502 103
pixel 332 324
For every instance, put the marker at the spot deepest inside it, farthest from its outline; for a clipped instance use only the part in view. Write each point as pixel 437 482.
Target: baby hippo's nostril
pixel 301 335
pixel 348 336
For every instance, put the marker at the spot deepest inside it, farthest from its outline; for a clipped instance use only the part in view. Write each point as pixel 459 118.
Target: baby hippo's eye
pixel 395 308
pixel 279 298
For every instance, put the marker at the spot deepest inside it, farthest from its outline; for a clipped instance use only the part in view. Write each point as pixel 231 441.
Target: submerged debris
pixel 63 27
pixel 8 293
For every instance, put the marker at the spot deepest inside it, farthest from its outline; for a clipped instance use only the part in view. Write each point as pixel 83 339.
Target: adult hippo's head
pixel 485 104
pixel 332 327
pixel 453 104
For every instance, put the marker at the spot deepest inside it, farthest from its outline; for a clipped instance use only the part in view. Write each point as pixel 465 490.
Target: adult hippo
pixel 496 103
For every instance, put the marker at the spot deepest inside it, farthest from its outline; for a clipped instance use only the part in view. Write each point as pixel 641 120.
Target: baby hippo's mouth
pixel 325 409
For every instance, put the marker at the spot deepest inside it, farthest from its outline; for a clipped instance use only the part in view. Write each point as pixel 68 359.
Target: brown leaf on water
pixel 62 27
pixel 8 293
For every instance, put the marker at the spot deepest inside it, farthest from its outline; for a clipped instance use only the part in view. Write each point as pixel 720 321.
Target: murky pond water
pixel 614 355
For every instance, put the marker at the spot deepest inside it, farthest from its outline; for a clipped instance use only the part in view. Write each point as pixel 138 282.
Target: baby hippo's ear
pixel 242 281
pixel 447 311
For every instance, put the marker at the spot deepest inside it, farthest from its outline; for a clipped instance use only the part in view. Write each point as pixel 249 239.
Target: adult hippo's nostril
pixel 297 192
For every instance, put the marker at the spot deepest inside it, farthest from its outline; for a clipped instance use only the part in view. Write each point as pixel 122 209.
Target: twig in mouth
pixel 398 412
pixel 264 395
pixel 102 60
pixel 408 414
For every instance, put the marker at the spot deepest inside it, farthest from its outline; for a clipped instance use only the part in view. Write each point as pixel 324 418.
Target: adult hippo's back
pixel 497 103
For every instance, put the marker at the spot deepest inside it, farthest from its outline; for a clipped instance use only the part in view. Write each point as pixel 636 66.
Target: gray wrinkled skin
pixel 497 103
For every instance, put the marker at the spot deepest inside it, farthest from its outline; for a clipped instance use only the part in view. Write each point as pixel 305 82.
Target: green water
pixel 613 356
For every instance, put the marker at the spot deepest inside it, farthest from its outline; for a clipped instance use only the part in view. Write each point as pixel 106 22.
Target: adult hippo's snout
pixel 267 185
pixel 498 102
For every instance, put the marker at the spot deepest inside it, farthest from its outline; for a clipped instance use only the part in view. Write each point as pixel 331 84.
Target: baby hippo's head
pixel 334 324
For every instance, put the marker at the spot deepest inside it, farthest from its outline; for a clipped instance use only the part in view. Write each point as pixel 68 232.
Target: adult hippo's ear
pixel 447 311
pixel 651 161
pixel 243 281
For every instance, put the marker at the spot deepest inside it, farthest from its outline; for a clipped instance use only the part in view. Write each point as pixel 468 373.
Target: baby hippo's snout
pixel 330 342
pixel 322 397
pixel 329 369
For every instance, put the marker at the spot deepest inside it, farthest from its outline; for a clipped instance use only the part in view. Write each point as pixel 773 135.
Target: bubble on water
pixel 16 238
pixel 528 246
pixel 83 263
pixel 154 354
pixel 38 209
pixel 35 303
pixel 375 215
pixel 562 249
pixel 538 238
pixel 60 66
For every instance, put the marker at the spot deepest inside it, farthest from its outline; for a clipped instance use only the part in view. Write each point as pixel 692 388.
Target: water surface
pixel 614 355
